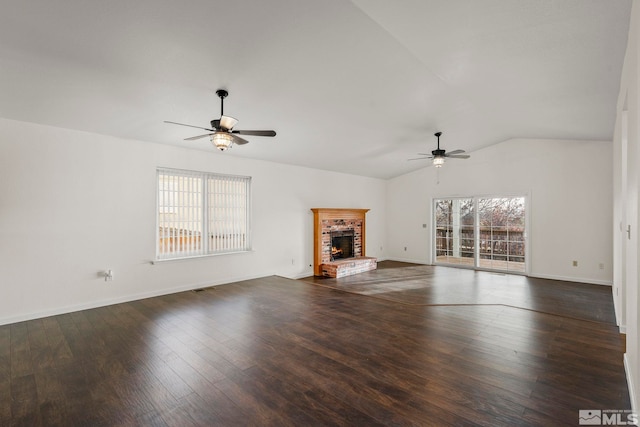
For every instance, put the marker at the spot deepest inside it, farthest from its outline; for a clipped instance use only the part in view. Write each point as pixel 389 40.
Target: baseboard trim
pixel 409 260
pixel 630 384
pixel 299 275
pixel 119 300
pixel 571 279
pixel 537 276
pixel 622 326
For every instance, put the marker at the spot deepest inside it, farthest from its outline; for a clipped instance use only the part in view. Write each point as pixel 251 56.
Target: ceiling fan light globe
pixel 222 140
pixel 227 122
pixel 438 161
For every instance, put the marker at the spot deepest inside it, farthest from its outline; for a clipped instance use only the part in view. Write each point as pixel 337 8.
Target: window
pixel 481 232
pixel 201 214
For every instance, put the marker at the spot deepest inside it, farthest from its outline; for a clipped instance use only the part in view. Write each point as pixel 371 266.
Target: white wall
pixel 73 204
pixel 626 209
pixel 569 188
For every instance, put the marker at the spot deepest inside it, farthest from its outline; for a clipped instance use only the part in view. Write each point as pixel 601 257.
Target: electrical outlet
pixel 601 266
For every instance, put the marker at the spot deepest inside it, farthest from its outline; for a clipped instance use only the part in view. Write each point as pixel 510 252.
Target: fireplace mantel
pixel 326 219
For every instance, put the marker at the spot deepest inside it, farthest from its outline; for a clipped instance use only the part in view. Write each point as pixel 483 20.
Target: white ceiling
pixel 352 86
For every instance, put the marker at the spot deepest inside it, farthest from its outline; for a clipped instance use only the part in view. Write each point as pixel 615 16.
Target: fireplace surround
pixel 339 222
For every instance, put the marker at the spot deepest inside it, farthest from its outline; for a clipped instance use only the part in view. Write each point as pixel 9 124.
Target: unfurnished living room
pixel 354 213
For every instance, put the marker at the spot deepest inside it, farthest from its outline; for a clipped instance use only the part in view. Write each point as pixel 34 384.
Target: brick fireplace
pixel 336 223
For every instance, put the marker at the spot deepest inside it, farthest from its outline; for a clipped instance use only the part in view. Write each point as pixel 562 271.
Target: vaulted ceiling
pixel 354 86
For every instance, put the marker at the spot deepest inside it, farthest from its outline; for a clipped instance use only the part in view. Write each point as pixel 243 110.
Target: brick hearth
pixel 349 266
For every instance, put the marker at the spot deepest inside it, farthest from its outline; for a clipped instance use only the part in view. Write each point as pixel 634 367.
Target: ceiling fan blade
pixel 193 138
pixel 227 122
pixel 420 158
pixel 255 132
pixel 238 140
pixel 191 126
pixel 455 152
pixel 458 156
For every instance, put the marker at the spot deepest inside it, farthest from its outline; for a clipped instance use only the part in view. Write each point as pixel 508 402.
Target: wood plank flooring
pixel 282 352
pixel 417 284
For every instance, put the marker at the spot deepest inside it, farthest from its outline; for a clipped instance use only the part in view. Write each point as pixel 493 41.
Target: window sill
pixel 190 258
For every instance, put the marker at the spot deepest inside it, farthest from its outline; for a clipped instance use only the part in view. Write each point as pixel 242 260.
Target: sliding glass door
pixel 481 232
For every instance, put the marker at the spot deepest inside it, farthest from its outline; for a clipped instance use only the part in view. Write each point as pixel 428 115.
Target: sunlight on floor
pixel 484 263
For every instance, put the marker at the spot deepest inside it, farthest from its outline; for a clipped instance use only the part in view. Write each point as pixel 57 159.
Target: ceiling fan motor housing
pixel 438 153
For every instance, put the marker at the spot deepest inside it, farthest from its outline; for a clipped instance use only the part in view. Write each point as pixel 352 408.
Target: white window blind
pixel 201 213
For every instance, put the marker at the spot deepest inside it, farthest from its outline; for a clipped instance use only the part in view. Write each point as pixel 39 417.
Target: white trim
pixel 308 273
pixel 528 234
pixel 123 299
pixel 189 258
pixel 632 388
pixel 572 279
pixel 616 309
pixel 516 273
pixel 412 261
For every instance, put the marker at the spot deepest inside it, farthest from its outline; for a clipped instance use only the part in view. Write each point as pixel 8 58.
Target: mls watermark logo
pixel 607 417
pixel 590 417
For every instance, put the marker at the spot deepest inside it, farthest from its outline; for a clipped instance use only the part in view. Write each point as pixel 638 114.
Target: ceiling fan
pixel 222 134
pixel 438 155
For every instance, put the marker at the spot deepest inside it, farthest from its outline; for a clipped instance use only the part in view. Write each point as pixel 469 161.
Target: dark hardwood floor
pixel 282 352
pixel 417 284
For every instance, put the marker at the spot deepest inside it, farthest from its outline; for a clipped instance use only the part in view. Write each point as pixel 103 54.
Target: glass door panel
pixel 494 228
pixel 501 223
pixel 455 231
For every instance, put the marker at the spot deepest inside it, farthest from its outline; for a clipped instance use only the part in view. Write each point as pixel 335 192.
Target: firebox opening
pixel 342 244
